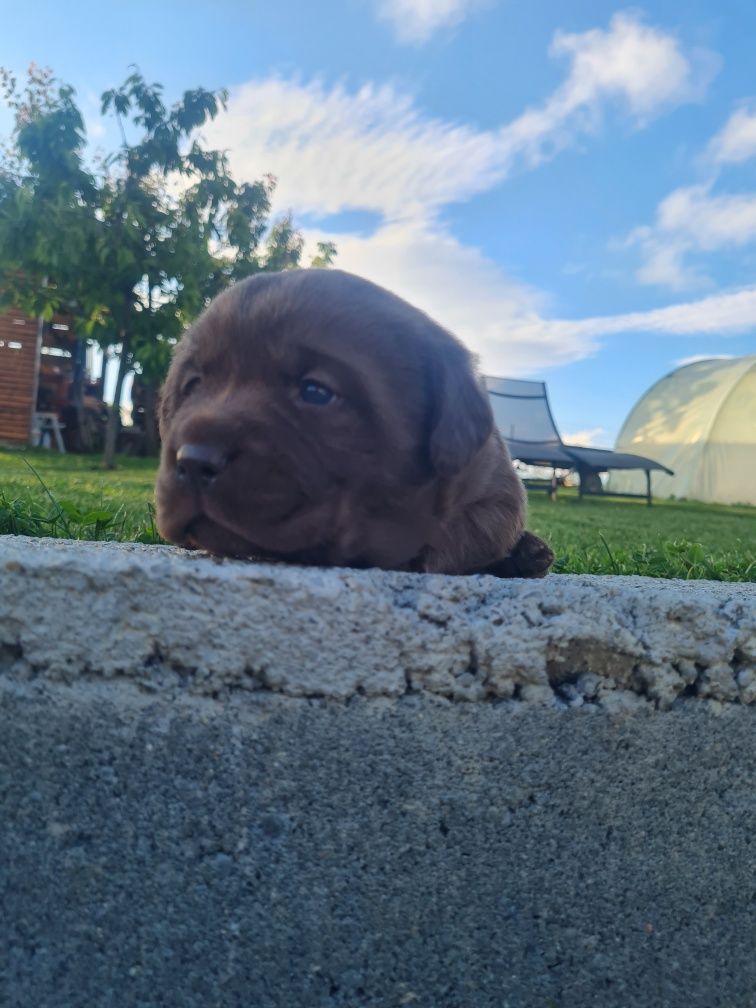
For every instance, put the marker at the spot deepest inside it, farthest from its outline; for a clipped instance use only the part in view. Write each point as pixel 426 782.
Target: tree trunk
pixel 83 434
pixel 114 415
pixel 149 403
pixel 103 372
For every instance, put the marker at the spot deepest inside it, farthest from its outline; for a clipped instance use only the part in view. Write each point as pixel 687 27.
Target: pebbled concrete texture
pixel 232 784
pixel 159 615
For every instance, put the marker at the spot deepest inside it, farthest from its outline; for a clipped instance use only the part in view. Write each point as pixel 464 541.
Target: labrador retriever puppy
pixel 313 417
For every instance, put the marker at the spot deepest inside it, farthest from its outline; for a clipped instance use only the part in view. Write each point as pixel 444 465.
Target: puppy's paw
pixel 531 557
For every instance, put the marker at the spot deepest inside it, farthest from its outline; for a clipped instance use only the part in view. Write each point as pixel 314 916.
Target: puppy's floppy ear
pixel 461 416
pixel 167 401
pixel 168 396
pixel 165 406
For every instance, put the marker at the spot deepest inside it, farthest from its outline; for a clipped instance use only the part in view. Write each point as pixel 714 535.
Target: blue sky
pixel 568 187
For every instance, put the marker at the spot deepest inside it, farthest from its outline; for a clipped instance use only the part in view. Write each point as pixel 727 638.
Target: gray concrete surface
pixel 159 615
pixel 228 784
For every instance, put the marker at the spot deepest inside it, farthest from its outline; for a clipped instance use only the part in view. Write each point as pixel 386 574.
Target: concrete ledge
pixel 228 784
pixel 161 616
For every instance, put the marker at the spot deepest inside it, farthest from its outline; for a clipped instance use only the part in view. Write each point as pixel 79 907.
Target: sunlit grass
pixel 681 539
pixel 72 497
pixel 43 493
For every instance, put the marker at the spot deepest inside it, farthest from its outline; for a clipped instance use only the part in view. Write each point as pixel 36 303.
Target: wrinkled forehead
pixel 260 334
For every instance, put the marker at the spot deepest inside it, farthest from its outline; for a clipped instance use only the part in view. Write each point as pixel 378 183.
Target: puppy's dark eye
pixel 315 394
pixel 190 385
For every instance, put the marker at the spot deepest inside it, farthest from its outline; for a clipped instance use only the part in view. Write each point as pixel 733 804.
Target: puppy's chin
pixel 205 534
pixel 391 546
pixel 270 529
pixel 343 526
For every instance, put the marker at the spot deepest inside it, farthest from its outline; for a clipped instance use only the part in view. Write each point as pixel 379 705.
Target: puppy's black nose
pixel 200 464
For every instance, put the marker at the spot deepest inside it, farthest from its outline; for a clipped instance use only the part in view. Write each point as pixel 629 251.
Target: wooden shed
pixel 38 362
pixel 20 345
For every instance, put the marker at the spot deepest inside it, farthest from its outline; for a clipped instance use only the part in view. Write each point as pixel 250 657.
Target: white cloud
pixel 708 221
pixel 641 67
pixel 692 219
pixel 664 264
pixel 635 62
pixel 373 149
pixel 503 321
pixel 736 141
pixel 500 319
pixel 587 438
pixel 414 21
pixel 724 314
pixel 333 150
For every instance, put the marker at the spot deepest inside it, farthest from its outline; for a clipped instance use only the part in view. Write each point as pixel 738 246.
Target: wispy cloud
pixel 503 321
pixel 630 63
pixel 723 314
pixel 499 318
pixel 736 141
pixel 696 219
pixel 664 262
pixel 692 219
pixel 631 60
pixel 415 21
pixel 587 438
pixel 333 149
pixel 373 149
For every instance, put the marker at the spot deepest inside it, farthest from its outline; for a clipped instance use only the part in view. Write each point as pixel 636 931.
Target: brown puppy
pixel 314 417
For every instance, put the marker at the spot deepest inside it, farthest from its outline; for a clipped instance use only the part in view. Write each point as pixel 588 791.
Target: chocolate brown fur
pixel 402 470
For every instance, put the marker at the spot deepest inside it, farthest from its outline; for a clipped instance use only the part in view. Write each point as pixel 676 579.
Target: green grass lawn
pixel 79 500
pixel 681 539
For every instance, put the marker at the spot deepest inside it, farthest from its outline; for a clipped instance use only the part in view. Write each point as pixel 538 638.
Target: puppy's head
pixel 310 415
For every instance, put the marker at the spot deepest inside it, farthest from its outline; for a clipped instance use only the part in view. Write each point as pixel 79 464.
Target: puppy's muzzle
pixel 199 465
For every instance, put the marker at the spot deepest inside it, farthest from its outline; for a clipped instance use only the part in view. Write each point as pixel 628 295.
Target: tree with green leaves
pixel 134 246
pixel 47 208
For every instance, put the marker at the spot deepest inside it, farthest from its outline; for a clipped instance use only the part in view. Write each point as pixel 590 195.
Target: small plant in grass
pixel 64 519
pixel 147 532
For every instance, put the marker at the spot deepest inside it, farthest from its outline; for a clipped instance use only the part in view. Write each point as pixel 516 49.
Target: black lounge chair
pixel 523 416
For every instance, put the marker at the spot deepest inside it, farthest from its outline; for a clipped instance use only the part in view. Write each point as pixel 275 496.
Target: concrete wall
pixel 229 784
